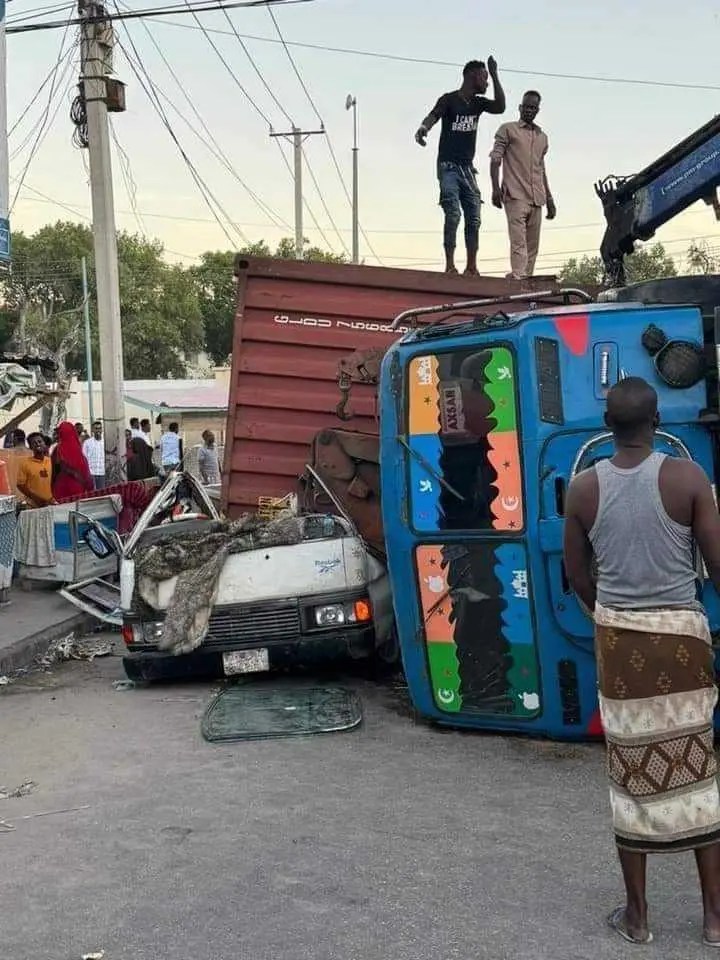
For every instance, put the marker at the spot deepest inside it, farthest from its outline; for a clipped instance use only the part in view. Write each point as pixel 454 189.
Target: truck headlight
pixel 333 614
pixel 329 615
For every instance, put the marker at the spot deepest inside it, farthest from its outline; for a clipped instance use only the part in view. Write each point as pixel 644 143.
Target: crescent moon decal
pixel 445 696
pixel 510 503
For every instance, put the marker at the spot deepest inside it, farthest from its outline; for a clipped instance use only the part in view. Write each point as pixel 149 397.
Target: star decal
pixel 427 400
pixel 507 464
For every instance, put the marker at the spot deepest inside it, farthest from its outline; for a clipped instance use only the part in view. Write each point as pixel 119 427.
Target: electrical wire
pixel 202 186
pixel 128 178
pixel 401 58
pixel 227 66
pixel 18 149
pixel 322 201
pixel 255 67
pixel 294 66
pixel 218 152
pixel 36 96
pixel 46 115
pixel 143 14
pixel 306 205
pixel 333 155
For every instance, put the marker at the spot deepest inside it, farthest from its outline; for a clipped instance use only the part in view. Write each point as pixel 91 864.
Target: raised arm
pixel 497 104
pixel 429 122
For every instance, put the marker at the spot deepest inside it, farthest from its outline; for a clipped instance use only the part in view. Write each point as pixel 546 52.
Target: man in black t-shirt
pixel 459 112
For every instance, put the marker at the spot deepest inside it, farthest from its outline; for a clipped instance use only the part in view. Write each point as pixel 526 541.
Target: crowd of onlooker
pixel 71 463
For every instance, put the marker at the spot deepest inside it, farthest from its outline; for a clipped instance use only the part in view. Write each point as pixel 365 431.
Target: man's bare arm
pixel 497 104
pixel 706 524
pixel 429 122
pixel 577 550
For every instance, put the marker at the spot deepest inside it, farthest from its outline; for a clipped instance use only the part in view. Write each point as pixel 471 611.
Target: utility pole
pixel 4 163
pixel 351 104
pixel 297 137
pixel 97 91
pixel 88 342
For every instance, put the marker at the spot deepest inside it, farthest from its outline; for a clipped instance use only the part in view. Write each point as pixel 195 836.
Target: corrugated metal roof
pixel 177 395
pixel 295 321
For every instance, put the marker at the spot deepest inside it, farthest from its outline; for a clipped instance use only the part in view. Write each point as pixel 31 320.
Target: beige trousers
pixel 524 220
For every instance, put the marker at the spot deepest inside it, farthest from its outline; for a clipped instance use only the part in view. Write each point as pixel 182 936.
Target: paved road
pixel 394 842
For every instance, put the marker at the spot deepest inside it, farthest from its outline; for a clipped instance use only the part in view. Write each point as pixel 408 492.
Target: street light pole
pixel 4 166
pixel 351 104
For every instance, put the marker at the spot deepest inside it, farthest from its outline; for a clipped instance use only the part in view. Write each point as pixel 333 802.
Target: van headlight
pixel 334 614
pixel 330 615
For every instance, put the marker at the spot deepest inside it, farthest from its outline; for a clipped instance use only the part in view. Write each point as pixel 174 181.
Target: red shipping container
pixel 295 322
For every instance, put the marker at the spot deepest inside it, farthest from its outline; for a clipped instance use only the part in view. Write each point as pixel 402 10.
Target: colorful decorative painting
pixel 464 458
pixel 475 606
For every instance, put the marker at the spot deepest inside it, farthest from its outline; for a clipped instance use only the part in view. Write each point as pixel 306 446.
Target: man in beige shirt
pixel 520 149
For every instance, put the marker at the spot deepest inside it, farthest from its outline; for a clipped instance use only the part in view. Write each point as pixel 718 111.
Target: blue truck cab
pixel 484 423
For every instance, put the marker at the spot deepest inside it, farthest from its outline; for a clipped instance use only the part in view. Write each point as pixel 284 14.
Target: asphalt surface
pixel 396 841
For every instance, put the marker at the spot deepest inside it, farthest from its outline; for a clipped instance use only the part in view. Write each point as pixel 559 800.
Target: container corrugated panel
pixel 295 321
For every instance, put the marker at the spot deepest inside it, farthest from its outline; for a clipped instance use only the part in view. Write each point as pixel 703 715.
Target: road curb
pixel 23 651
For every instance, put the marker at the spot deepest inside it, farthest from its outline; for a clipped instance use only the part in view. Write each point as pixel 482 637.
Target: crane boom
pixel 636 206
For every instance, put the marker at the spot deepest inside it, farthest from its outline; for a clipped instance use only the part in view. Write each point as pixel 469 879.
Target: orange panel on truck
pixel 295 322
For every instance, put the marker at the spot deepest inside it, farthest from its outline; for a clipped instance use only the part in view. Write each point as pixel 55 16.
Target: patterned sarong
pixel 657 697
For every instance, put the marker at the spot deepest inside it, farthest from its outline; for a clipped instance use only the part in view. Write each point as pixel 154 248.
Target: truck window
pixel 463 444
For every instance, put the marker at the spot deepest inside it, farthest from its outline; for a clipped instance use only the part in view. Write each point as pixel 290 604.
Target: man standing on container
pixel 642 515
pixel 459 112
pixel 520 149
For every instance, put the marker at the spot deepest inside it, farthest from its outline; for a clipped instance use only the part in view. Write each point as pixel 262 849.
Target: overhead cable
pixel 401 58
pixel 142 14
pixel 218 152
pixel 207 195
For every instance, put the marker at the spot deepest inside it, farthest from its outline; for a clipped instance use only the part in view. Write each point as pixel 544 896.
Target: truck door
pixel 565 455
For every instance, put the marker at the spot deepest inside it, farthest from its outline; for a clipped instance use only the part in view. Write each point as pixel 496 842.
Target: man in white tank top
pixel 640 516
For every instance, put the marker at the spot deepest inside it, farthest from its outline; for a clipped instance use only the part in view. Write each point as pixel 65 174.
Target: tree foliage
pixel 647 263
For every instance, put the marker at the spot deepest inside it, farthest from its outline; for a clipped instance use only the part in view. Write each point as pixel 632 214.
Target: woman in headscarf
pixel 71 475
pixel 140 466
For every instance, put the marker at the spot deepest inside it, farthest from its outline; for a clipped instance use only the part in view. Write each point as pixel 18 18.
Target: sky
pixel 596 127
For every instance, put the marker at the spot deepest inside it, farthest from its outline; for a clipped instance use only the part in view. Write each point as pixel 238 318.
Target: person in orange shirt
pixel 34 479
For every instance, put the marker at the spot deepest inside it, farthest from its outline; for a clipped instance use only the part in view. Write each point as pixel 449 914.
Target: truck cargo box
pixel 295 322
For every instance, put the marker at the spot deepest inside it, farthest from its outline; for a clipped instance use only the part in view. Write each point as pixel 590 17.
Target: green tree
pixel 160 310
pixel 286 251
pixel 647 263
pixel 701 259
pixel 215 278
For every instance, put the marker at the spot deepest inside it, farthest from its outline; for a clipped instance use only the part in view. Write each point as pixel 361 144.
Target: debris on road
pixel 71 648
pixel 26 787
pixel 4 681
pixel 124 684
pixel 6 827
pixel 93 956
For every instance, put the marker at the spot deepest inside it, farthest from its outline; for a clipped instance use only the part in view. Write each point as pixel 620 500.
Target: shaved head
pixel 631 408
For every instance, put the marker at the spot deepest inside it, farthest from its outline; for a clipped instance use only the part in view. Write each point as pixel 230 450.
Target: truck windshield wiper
pixel 430 469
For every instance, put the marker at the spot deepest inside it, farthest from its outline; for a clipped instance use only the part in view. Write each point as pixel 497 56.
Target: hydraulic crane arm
pixel 636 206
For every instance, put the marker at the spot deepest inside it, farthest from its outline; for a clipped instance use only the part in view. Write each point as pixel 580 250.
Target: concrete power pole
pixel 297 137
pixel 98 89
pixel 4 164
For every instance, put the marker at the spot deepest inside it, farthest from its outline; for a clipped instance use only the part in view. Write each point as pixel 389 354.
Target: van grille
pixel 241 625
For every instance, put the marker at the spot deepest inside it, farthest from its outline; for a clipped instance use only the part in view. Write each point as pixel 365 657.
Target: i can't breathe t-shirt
pixel 458 135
